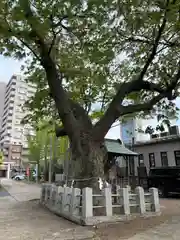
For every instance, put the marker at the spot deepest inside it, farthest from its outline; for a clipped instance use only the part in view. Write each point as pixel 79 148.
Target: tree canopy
pixel 120 55
pixel 97 47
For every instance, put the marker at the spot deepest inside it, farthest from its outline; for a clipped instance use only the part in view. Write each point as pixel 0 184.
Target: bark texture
pixel 87 163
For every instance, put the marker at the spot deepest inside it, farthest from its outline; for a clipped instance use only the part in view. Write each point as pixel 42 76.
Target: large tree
pixel 104 51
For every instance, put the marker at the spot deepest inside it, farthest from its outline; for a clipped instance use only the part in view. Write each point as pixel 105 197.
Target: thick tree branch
pixel 18 36
pixel 54 78
pixel 116 109
pixel 133 108
pixel 156 43
pixel 54 36
pixel 148 105
pixel 60 132
pixel 112 113
pixel 80 115
pixel 166 43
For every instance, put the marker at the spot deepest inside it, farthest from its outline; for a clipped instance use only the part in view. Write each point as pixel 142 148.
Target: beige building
pixel 159 152
pixel 13 132
pixel 2 94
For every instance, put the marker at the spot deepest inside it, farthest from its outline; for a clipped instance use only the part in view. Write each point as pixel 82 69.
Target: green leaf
pixel 96 45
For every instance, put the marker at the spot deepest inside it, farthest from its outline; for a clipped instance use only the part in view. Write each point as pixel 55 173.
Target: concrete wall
pixel 157 148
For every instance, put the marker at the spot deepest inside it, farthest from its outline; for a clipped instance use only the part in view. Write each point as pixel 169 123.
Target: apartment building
pixel 13 134
pixel 2 94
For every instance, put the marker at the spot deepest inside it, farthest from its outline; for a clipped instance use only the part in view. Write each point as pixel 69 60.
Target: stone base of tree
pixel 81 206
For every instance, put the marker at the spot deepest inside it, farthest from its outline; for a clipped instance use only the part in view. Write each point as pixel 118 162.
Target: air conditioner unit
pixel 174 130
pixel 153 136
pixel 164 134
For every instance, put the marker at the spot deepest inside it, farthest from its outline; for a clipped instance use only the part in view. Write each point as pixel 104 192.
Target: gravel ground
pixel 170 230
pixel 170 211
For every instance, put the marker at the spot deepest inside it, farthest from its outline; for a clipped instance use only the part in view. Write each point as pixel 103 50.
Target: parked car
pixel 166 179
pixel 19 177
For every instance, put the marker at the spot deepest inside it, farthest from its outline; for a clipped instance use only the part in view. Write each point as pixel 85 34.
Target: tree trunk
pixel 87 166
pixel 87 154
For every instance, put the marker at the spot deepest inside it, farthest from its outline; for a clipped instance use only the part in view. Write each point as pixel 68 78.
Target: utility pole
pixel 50 160
pixel 37 173
pixel 55 154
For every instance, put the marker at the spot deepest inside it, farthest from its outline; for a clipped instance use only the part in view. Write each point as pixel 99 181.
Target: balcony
pixel 6 144
pixel 5 152
pixel 16 149
pixel 9 99
pixel 15 157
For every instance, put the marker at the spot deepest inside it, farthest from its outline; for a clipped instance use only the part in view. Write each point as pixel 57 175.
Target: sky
pixel 9 66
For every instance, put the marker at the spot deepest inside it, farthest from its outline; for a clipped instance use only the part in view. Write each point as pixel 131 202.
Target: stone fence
pixel 86 208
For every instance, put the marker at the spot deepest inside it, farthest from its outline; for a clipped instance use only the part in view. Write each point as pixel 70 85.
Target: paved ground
pixel 3 192
pixel 22 218
pixel 27 220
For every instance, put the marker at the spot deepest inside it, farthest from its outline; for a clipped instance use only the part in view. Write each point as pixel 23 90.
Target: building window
pixel 141 159
pixel 152 160
pixel 177 157
pixel 164 159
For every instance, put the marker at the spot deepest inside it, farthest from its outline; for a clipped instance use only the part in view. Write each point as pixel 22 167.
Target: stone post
pixel 129 188
pixel 140 200
pixel 75 201
pixel 66 199
pixel 59 199
pixel 43 193
pixel 8 171
pixel 53 195
pixel 155 206
pixel 108 201
pixel 87 203
pixel 124 193
pixel 46 193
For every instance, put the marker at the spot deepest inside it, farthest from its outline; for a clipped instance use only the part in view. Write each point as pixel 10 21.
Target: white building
pixel 13 132
pixel 133 130
pixel 2 94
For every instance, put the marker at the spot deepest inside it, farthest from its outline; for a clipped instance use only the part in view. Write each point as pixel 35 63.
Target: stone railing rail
pixel 86 208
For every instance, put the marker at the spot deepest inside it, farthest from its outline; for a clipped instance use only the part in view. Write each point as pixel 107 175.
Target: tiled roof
pixel 114 146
